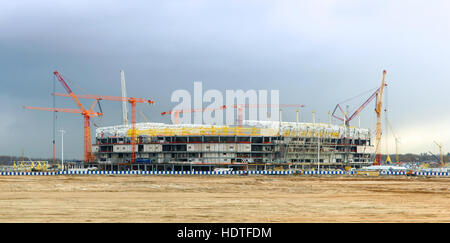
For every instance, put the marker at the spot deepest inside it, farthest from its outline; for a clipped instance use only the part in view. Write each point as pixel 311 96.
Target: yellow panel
pixel 228 131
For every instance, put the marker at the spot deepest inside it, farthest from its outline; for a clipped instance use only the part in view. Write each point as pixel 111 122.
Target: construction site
pixel 253 171
pixel 223 111
pixel 247 145
pixel 226 199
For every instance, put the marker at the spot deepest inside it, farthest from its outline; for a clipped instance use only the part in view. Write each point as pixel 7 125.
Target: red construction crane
pixel 131 100
pixel 240 108
pixel 87 114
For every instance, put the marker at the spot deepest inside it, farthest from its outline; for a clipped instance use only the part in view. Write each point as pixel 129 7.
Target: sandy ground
pixel 223 199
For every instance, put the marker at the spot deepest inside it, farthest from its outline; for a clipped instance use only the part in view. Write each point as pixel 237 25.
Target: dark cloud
pixel 315 54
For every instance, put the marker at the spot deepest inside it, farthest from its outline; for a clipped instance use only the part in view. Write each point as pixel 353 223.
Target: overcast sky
pixel 317 53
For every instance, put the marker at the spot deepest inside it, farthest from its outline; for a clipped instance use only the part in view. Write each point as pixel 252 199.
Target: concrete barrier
pixel 324 172
pixel 431 173
pixel 257 172
pixel 263 172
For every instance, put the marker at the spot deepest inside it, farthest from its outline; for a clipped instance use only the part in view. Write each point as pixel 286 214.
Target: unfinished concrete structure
pixel 305 145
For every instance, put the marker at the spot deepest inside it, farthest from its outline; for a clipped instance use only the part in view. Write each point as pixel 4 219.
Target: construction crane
pixel 143 116
pixel 378 94
pixel 124 102
pixel 346 119
pixel 379 102
pixel 87 114
pixel 131 100
pixel 440 152
pixel 434 156
pixel 240 108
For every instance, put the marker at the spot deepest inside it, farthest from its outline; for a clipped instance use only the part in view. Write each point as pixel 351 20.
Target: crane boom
pixel 142 114
pixel 54 109
pixel 69 91
pixel 434 156
pixel 87 114
pixel 347 119
pixel 104 97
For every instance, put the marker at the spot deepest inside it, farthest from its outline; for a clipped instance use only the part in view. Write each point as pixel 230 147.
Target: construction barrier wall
pixel 261 172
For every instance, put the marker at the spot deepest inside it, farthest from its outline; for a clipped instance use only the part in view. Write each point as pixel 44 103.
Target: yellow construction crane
pixel 440 151
pixel 143 116
pixel 378 94
pixel 379 103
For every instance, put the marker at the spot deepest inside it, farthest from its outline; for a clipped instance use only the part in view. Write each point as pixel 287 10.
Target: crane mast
pixel 124 102
pixel 87 114
pixel 378 108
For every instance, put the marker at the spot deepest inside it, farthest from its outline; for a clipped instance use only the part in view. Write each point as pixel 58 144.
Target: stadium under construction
pixel 248 145
pixel 256 145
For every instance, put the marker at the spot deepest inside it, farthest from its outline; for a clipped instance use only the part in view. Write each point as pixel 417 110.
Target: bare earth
pixel 223 199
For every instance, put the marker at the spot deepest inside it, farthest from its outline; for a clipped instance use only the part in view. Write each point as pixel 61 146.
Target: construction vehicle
pixel 410 173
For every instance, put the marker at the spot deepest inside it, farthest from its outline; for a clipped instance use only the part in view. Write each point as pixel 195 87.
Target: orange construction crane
pixel 240 108
pixel 87 114
pixel 131 100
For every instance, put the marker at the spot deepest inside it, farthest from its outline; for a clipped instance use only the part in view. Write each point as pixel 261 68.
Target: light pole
pixel 62 148
pixel 279 123
pixel 297 122
pixel 314 117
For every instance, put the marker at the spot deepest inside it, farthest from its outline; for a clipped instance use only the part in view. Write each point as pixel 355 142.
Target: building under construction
pixel 255 144
pixel 250 143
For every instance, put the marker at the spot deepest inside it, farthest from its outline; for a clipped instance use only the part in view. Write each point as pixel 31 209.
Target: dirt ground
pixel 223 199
